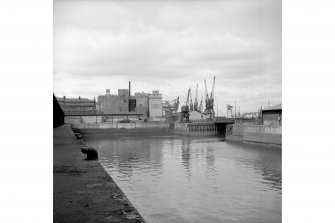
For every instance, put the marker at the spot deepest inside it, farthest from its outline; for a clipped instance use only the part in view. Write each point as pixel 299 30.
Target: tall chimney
pixel 129 88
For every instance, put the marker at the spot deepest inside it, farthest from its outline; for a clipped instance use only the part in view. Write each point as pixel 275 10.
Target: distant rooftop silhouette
pixel 275 107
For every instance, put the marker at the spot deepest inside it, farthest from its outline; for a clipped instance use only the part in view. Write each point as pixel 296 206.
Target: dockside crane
pixel 206 94
pixel 170 107
pixel 191 102
pixel 200 106
pixel 185 110
pixel 212 93
pixel 209 101
pixel 196 108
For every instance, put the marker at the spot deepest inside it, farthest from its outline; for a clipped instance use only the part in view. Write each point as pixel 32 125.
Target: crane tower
pixel 209 101
pixel 170 107
pixel 191 102
pixel 195 106
pixel 185 110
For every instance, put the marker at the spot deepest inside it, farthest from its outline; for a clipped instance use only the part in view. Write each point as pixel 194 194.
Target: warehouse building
pixel 77 106
pixel 272 115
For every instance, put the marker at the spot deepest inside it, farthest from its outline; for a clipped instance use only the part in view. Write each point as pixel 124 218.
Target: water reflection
pixel 265 161
pixel 181 179
pixel 186 156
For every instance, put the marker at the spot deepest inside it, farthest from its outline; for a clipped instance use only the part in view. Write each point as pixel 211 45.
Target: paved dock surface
pixel 83 191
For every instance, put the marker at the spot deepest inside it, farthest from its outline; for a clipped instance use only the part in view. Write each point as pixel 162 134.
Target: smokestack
pixel 129 88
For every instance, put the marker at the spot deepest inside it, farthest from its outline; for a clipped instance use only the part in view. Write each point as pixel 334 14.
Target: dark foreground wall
pixel 58 114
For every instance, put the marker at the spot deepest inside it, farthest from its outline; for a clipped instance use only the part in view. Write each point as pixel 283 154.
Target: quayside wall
pixel 92 128
pixel 264 134
pixel 195 129
pixel 119 125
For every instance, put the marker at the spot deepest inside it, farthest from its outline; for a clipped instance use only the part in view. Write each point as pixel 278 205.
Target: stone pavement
pixel 82 190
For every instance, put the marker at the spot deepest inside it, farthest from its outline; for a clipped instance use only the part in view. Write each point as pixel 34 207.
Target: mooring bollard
pixel 91 153
pixel 78 135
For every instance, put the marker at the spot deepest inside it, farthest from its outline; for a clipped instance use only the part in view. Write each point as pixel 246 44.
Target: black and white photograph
pixel 167 111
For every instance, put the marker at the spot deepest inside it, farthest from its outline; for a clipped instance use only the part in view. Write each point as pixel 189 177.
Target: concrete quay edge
pixel 82 190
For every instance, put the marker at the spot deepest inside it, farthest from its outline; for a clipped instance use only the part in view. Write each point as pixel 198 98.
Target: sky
pixel 170 46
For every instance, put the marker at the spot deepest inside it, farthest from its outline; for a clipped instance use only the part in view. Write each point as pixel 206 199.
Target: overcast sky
pixel 170 46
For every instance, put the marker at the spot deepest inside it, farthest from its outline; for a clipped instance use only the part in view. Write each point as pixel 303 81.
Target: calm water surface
pixel 180 179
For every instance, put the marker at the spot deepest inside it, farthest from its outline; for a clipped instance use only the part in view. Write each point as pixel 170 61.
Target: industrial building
pixel 111 104
pixel 149 105
pixel 196 116
pixel 155 105
pixel 77 106
pixel 272 115
pixel 141 103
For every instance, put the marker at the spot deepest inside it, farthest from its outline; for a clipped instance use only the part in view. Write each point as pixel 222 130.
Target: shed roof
pixel 275 107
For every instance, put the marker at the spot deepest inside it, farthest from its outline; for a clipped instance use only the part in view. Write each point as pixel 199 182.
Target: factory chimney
pixel 129 88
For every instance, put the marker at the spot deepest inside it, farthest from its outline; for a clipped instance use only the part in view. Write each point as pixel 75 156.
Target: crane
pixel 200 106
pixel 191 102
pixel 170 107
pixel 209 101
pixel 206 94
pixel 212 93
pixel 188 97
pixel 185 110
pixel 196 108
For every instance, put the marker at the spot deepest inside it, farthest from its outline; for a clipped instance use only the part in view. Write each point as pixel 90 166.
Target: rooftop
pixel 74 100
pixel 275 107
